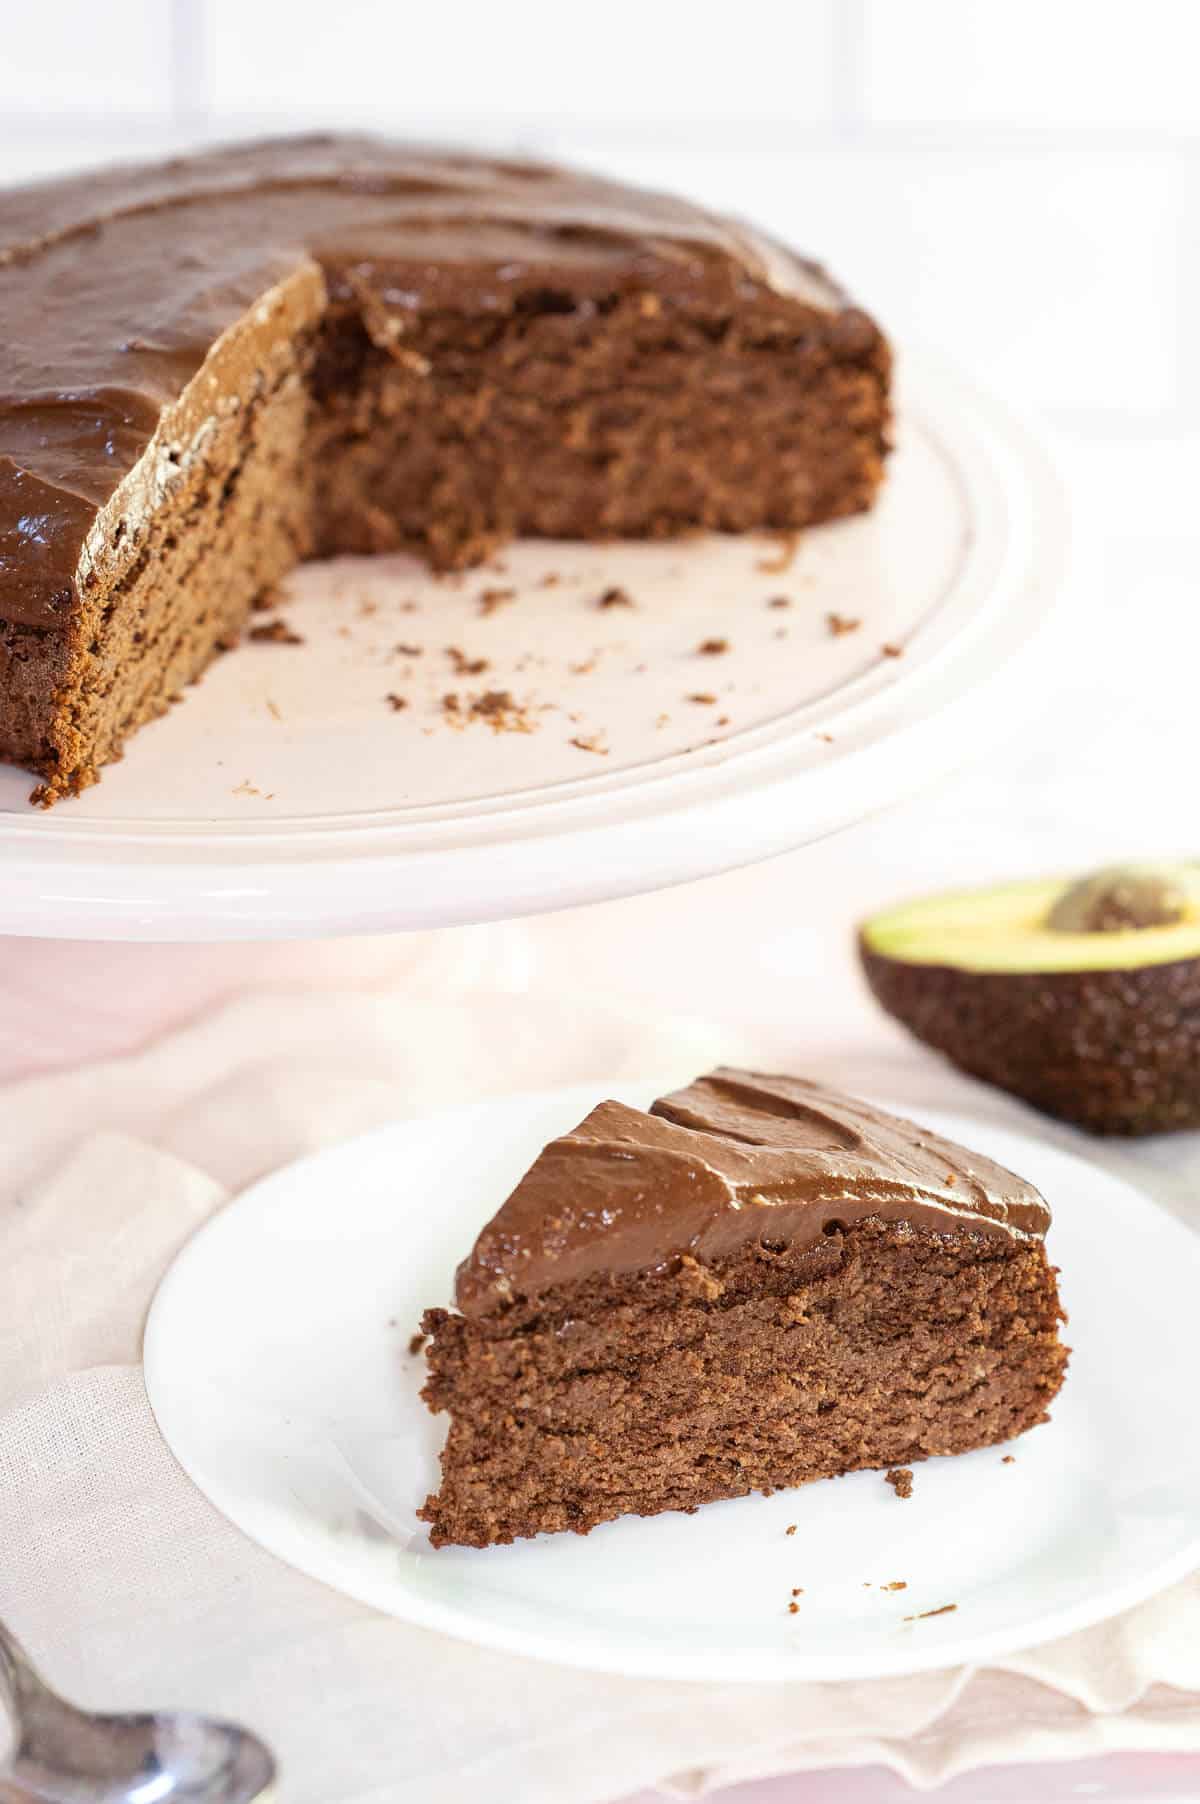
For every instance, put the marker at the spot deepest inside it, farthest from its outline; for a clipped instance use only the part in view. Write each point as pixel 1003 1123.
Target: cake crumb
pixel 491 599
pixel 793 1608
pixel 416 1343
pixel 396 702
pixel 791 1529
pixel 616 598
pixel 1008 1459
pixel 464 666
pixel 450 704
pixel 404 650
pixel 827 737
pixel 780 601
pixel 273 709
pixel 703 697
pixel 275 632
pixel 789 545
pixel 713 648
pixel 901 1480
pixel 590 743
pixel 942 1610
pixel 502 713
pixel 895 1585
pixel 797 1590
pixel 842 623
pixel 551 580
pixel 367 607
pixel 723 720
pixel 891 650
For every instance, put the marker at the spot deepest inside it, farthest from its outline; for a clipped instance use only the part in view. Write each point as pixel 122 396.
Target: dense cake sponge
pixel 218 365
pixel 758 1283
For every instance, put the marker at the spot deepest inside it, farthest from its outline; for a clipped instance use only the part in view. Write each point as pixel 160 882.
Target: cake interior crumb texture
pixel 880 1347
pixel 228 363
pixel 792 1356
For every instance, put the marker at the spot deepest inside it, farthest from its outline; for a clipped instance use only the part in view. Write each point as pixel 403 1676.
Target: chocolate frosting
pixel 735 1157
pixel 118 285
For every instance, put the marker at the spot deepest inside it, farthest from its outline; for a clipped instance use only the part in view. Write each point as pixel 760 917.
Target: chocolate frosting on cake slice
pixel 734 1157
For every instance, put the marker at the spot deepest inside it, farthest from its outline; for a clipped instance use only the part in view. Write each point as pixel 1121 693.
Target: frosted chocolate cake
pixel 758 1283
pixel 218 365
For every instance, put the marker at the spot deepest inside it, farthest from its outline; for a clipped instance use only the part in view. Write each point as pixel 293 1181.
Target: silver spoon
pixel 61 1755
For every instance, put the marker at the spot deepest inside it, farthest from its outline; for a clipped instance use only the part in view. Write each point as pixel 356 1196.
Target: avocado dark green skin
pixel 1115 1052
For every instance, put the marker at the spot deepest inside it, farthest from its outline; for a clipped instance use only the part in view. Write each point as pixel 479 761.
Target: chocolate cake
pixel 758 1283
pixel 221 364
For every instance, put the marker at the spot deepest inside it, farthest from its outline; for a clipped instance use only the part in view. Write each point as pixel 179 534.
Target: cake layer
pixel 567 420
pixel 665 1390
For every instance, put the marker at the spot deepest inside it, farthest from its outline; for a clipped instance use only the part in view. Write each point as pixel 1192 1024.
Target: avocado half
pixel 1080 996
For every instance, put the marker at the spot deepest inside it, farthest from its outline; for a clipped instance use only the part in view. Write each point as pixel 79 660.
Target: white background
pixel 1019 182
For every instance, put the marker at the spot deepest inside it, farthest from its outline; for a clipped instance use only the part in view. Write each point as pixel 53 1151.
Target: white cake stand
pixel 290 797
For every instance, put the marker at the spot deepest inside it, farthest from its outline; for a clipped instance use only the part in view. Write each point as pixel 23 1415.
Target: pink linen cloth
pixel 159 1081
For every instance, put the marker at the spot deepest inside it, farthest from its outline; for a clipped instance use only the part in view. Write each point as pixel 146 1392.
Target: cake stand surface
pixel 447 750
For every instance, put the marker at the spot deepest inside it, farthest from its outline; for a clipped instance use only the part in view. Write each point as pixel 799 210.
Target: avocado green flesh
pixel 1005 930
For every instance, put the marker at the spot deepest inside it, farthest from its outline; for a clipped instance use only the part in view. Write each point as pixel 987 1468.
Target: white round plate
pixel 278 1367
pixel 287 796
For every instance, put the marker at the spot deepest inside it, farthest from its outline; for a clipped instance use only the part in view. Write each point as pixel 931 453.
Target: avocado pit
pixel 1123 898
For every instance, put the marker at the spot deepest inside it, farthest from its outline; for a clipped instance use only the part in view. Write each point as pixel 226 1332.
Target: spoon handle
pixel 19 1677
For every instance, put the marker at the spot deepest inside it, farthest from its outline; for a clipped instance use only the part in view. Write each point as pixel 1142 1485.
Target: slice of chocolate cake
pixel 758 1283
pixel 221 364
